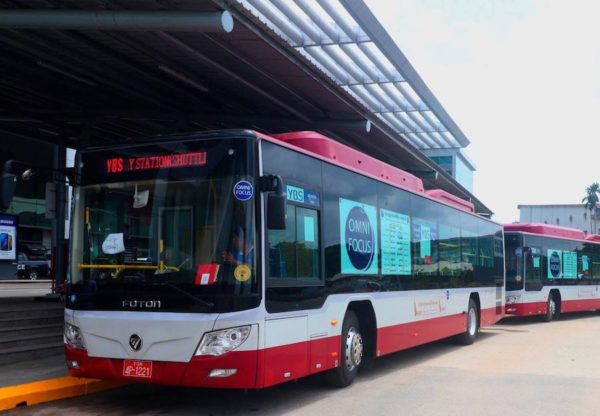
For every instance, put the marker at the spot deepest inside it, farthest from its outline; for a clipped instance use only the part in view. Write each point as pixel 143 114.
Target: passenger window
pixel 449 247
pixel 294 252
pixel 533 268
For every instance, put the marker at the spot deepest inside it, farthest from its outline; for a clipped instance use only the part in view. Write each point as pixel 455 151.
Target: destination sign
pixel 133 164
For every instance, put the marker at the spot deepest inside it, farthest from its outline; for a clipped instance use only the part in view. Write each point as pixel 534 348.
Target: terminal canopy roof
pixel 93 72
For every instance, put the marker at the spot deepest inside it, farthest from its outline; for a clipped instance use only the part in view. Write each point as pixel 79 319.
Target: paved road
pixel 520 367
pixel 24 289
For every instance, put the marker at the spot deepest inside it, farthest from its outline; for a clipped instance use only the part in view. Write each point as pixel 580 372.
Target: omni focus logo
pixel 554 264
pixel 359 239
pixel 358 232
pixel 243 190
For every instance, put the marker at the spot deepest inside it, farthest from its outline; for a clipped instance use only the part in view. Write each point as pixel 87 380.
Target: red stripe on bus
pixel 540 308
pixel 490 316
pixel 398 337
pixel 275 365
pixel 579 305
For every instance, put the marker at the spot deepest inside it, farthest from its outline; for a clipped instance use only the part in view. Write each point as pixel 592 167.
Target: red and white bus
pixel 550 270
pixel 237 260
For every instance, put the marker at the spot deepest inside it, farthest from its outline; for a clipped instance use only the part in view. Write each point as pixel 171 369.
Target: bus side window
pixel 294 252
pixel 533 268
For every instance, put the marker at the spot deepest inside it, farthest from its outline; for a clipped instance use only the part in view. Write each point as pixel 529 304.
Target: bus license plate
pixel 133 368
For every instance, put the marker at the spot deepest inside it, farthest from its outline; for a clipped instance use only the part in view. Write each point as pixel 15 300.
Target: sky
pixel 521 79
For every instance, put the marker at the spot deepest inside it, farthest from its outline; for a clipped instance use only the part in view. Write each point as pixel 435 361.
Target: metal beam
pixel 240 120
pixel 365 18
pixel 204 59
pixel 117 20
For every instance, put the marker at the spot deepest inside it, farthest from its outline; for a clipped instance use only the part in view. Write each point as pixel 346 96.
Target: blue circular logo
pixel 555 264
pixel 360 239
pixel 243 190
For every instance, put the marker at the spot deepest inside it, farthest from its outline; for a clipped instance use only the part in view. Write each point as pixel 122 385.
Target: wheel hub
pixel 354 349
pixel 472 324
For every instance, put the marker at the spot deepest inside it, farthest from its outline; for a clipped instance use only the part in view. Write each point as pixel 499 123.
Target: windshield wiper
pixel 208 305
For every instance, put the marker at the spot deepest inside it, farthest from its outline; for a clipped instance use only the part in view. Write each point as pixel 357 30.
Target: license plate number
pixel 133 368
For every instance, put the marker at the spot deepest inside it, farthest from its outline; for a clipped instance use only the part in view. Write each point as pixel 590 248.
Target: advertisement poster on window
pixel 555 269
pixel 395 243
pixel 8 237
pixel 569 264
pixel 358 234
pixel 425 234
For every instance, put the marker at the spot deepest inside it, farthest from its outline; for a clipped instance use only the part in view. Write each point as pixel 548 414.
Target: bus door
pixel 293 286
pixel 533 268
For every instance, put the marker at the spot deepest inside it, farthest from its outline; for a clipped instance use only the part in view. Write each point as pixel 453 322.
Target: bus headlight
pixel 72 336
pixel 513 299
pixel 222 341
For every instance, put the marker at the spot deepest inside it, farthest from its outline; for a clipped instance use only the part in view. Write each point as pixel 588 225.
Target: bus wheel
pixel 552 310
pixel 468 337
pixel 351 353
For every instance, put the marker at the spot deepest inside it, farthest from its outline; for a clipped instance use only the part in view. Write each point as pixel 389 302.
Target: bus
pixel 233 259
pixel 550 270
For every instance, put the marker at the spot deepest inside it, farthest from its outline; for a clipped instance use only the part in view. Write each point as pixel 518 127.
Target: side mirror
pixel 8 183
pixel 276 202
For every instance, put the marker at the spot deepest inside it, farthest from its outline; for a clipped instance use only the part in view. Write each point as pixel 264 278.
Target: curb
pixel 49 390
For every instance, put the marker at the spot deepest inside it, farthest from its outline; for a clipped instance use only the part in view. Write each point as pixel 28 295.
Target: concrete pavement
pixel 521 367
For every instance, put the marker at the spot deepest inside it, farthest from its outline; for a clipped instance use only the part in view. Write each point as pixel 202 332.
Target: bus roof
pixel 450 199
pixel 593 237
pixel 346 156
pixel 546 229
pixel 357 161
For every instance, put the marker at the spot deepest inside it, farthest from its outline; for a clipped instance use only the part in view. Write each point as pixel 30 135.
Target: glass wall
pixel 463 174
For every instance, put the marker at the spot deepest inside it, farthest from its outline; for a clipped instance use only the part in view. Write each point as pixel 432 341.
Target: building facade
pixel 565 215
pixel 456 163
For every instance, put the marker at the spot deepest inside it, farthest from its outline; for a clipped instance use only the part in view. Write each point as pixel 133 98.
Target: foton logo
pixel 359 239
pixel 142 304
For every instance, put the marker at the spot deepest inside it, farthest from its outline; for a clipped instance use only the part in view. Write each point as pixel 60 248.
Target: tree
pixel 590 201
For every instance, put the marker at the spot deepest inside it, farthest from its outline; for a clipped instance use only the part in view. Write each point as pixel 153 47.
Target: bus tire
pixel 351 353
pixel 468 337
pixel 552 309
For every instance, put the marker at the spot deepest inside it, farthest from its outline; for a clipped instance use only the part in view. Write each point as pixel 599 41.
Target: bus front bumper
pixel 526 309
pixel 236 369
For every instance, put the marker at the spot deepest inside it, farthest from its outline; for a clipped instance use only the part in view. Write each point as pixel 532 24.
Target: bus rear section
pixel 550 270
pixel 177 277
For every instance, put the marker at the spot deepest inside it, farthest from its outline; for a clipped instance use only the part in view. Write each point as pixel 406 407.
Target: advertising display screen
pixel 8 237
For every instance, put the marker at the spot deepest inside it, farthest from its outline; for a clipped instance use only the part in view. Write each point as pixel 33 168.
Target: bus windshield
pixel 165 228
